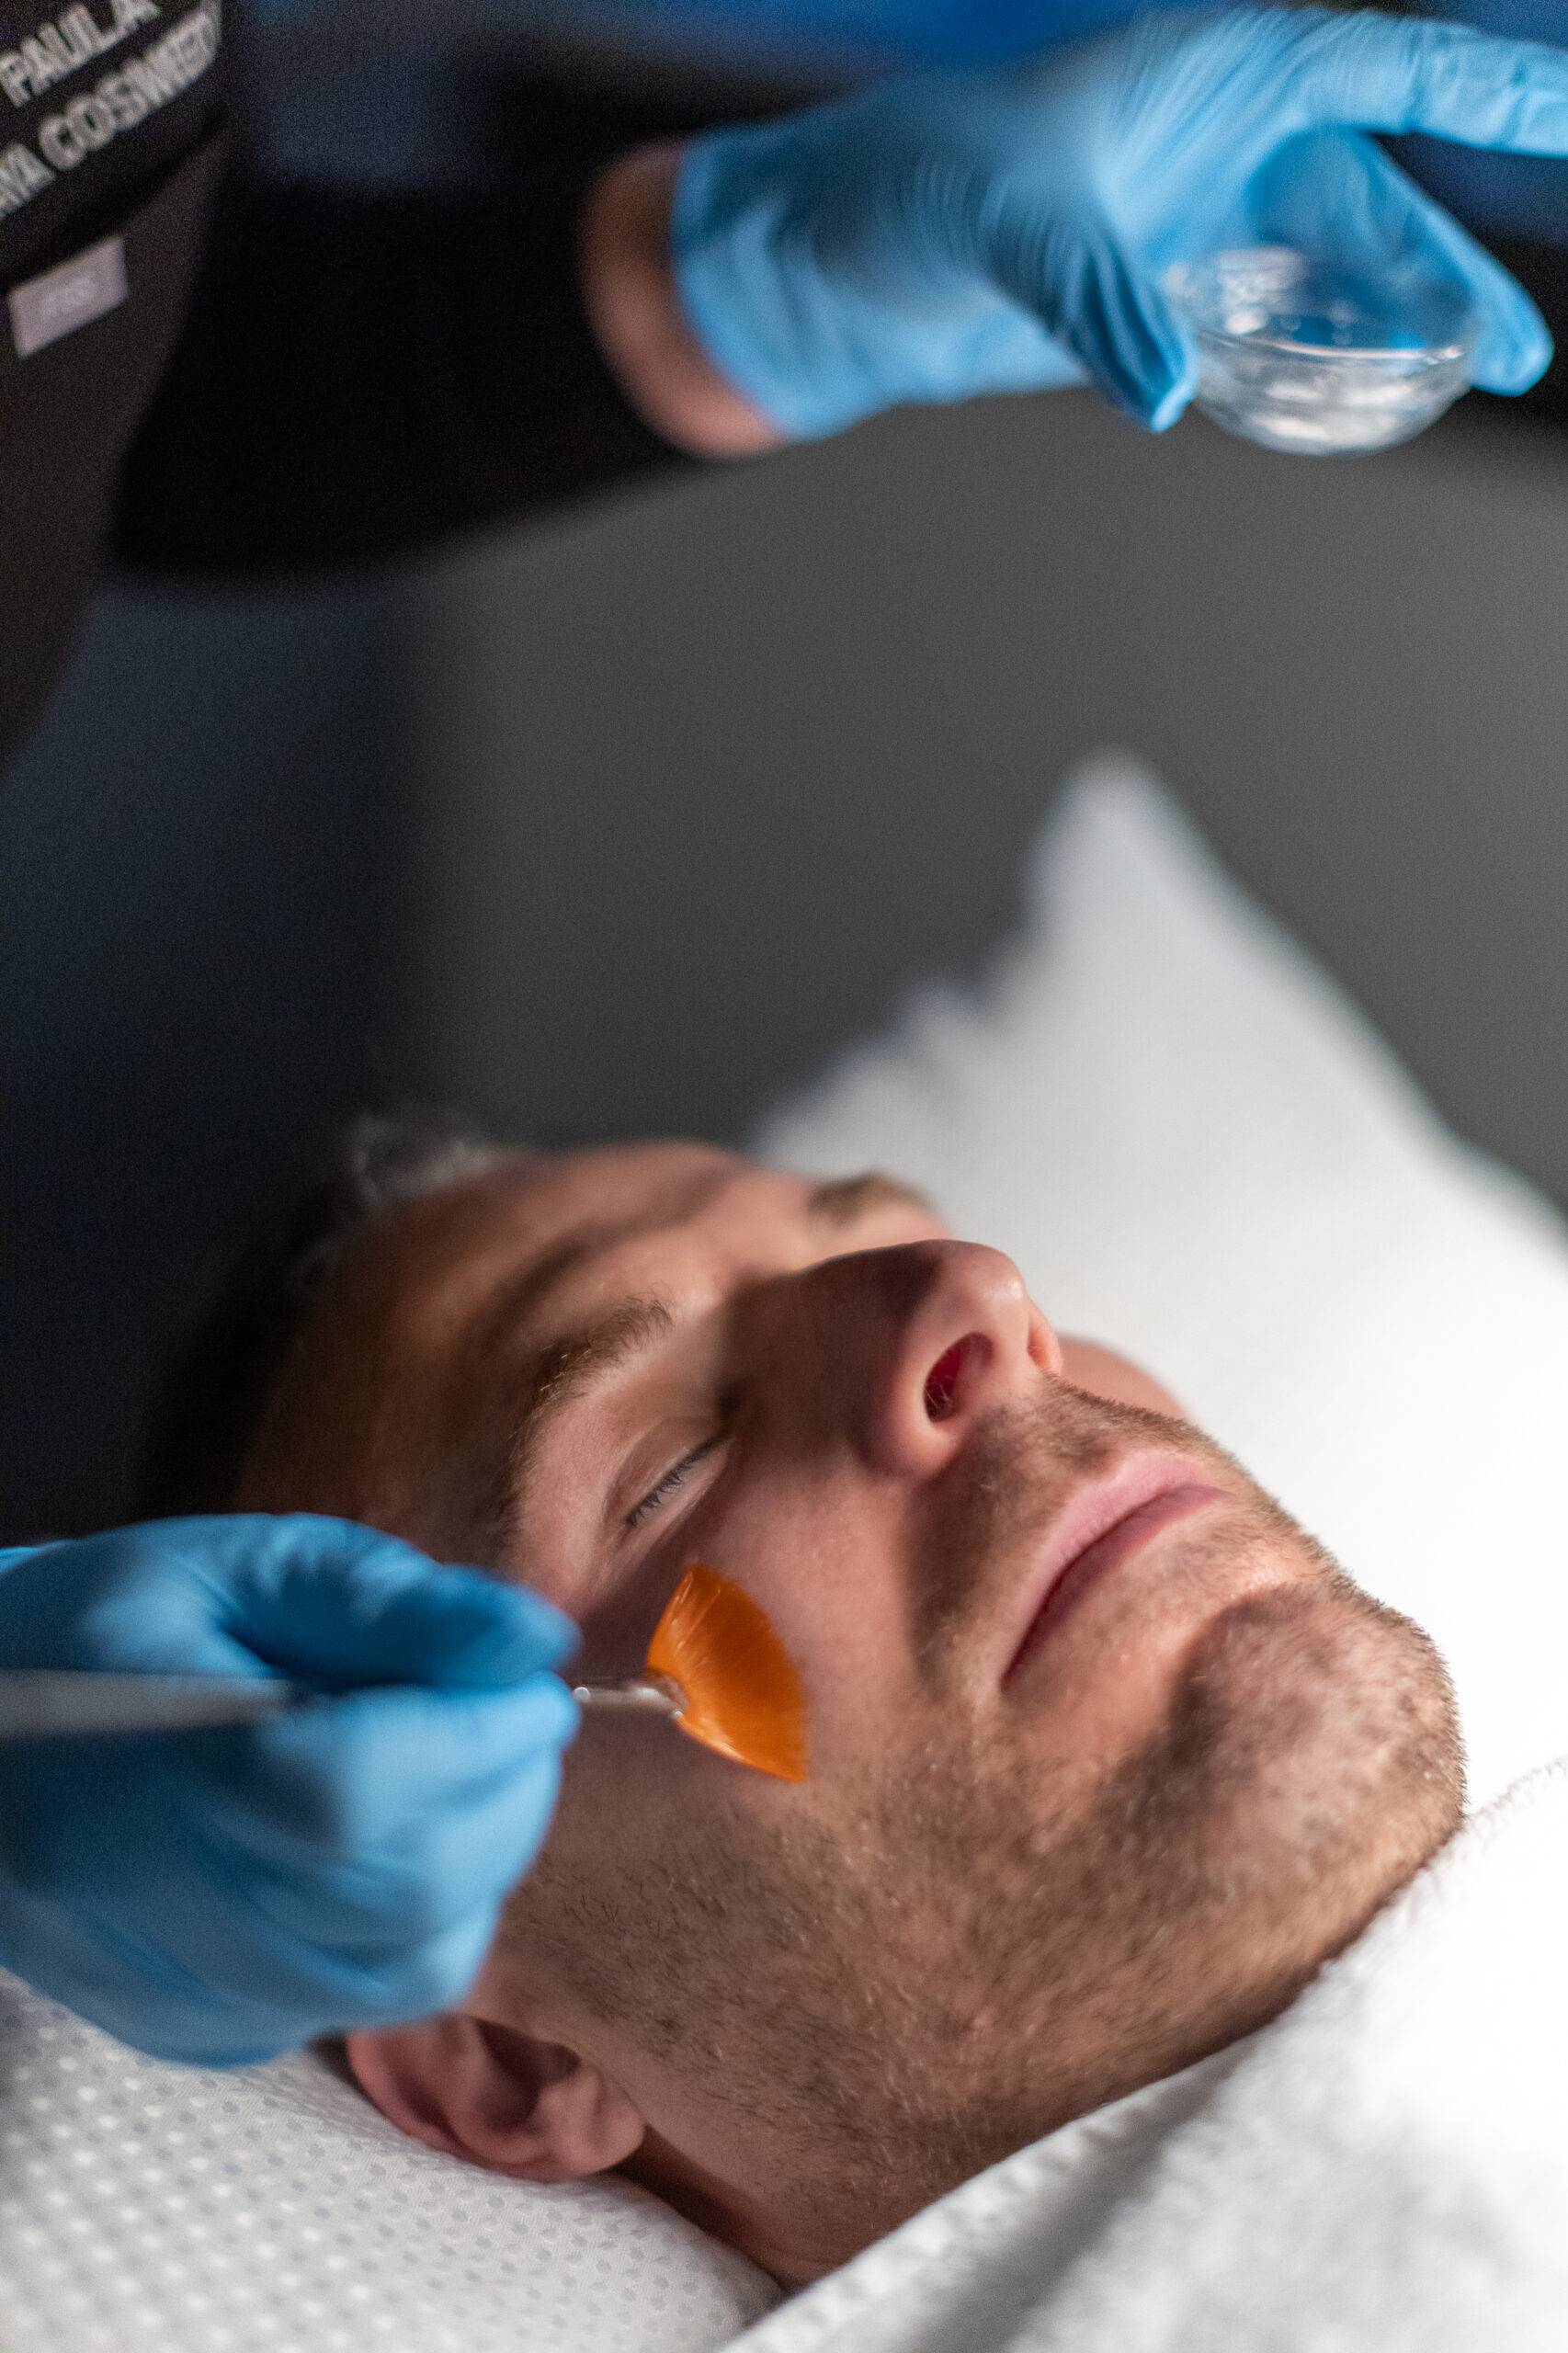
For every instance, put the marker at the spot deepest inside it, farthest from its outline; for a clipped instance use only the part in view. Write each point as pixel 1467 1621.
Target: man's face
pixel 1044 1854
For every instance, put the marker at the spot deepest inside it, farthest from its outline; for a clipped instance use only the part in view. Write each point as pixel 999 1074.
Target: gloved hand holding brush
pixel 221 1894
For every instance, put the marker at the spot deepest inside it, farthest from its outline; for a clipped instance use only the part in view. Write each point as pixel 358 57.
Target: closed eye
pixel 672 1479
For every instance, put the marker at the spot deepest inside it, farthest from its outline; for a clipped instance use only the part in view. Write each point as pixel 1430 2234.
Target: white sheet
pixel 1383 2170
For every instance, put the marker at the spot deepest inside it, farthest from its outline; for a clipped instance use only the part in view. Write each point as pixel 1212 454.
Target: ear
pixel 496 2096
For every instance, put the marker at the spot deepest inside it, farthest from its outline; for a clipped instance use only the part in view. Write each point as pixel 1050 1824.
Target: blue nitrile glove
pixel 954 233
pixel 222 1895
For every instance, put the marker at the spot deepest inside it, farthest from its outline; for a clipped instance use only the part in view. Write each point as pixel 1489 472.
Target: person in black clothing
pixel 211 373
pixel 225 375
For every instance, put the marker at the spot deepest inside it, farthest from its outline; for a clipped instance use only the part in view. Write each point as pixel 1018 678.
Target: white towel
pixel 1385 2169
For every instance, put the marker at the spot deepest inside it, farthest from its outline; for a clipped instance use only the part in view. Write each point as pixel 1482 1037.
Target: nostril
pixel 942 1382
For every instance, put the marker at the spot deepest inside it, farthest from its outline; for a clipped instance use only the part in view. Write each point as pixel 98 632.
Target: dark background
pixel 625 824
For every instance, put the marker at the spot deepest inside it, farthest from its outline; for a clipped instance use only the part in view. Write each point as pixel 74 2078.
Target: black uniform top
pixel 218 374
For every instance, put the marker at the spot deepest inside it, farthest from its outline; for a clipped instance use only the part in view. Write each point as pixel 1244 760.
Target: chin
pixel 1323 1726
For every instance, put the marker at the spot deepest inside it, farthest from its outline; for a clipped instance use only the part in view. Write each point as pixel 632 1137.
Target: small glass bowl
pixel 1298 355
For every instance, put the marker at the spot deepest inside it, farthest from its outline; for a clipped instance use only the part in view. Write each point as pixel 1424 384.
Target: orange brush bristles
pixel 742 1697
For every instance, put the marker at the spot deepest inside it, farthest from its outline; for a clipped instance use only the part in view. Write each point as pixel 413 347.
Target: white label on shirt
pixel 68 297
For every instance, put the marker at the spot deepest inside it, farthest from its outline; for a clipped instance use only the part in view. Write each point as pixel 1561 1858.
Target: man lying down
pixel 1044 1854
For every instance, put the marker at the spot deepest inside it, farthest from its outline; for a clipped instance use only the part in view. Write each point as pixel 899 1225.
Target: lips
pixel 1100 1525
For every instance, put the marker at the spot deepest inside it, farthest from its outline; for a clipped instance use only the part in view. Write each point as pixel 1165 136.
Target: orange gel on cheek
pixel 742 1694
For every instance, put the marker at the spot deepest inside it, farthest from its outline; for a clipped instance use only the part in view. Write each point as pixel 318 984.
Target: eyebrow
pixel 844 1201
pixel 566 1371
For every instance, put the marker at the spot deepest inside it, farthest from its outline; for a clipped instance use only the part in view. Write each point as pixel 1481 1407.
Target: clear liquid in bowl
pixel 1297 355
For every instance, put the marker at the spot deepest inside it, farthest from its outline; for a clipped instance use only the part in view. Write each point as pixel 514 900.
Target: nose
pixel 906 1348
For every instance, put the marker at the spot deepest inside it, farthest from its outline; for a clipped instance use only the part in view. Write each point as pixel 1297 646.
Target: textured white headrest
pixel 151 2208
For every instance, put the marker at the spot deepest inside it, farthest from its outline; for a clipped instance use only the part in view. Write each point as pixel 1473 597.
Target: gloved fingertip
pixel 1128 340
pixel 547 1713
pixel 1172 405
pixel 437 1974
pixel 488 1632
pixel 1513 366
pixel 1513 346
pixel 476 1732
pixel 549 1628
pixel 1154 405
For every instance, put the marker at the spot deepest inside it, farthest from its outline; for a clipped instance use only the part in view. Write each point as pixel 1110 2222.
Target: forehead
pixel 524 1225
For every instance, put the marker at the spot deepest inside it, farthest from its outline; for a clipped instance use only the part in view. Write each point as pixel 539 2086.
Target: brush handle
pixel 38 1703
pixel 643 1695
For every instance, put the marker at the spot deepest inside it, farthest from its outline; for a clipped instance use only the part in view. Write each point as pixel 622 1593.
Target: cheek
pixel 1088 1365
pixel 824 1556
pixel 623 1777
